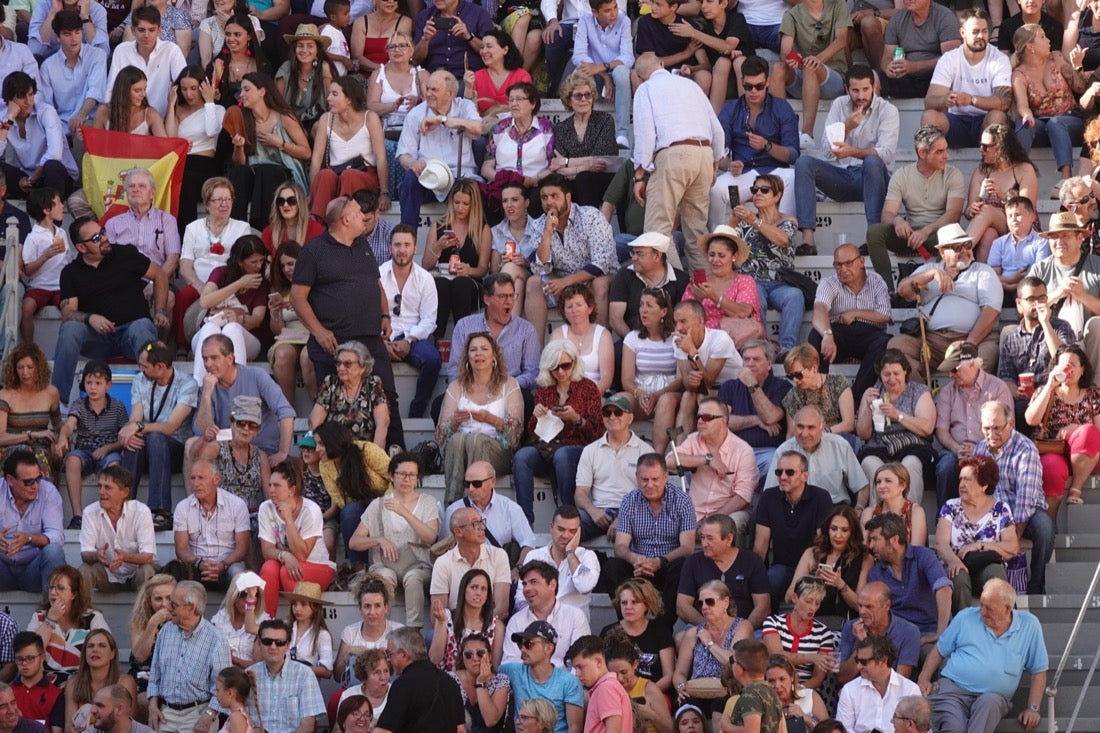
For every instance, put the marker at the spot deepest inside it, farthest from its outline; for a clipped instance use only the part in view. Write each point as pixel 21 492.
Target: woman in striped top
pixel 807 643
pixel 649 366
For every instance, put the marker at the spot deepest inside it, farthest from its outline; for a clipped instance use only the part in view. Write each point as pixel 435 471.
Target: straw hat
pixel 307 32
pixel 306 591
pixel 725 231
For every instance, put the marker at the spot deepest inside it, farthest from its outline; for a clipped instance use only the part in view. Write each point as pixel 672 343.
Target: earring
pixel 494 363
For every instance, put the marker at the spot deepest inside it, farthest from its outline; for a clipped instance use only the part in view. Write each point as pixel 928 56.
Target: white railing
pixel 1052 687
pixel 9 288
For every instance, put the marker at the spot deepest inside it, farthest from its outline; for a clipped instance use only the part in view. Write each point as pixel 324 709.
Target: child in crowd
pixel 758 699
pixel 1010 256
pixel 313 488
pixel 89 436
pixel 338 13
pixel 46 251
pixel 597 34
pixel 676 51
pixel 233 689
pixel 310 640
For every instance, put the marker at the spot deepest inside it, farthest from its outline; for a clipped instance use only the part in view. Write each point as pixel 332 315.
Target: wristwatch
pixel 753 388
pixel 443 119
pixel 708 458
pixel 827 332
pixel 768 146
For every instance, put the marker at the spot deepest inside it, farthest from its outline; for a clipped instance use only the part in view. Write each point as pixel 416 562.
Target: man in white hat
pixel 1072 278
pixel 442 128
pixel 649 268
pixel 160 61
pixel 961 301
pixel 851 310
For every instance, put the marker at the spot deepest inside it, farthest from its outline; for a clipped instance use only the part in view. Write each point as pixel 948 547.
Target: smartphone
pixel 735 195
pixel 698 277
pixel 558 408
pixel 444 24
pixel 794 56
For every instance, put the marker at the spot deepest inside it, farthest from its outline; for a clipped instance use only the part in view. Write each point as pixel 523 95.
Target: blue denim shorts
pixel 90 465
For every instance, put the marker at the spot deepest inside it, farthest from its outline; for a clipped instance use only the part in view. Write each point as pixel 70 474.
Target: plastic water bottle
pixel 899 54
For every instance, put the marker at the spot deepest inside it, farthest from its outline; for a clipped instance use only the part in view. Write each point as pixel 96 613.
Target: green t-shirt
pixel 758 698
pixel 811 37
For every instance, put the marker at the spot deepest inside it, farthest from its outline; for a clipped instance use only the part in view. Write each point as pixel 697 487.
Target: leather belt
pixel 691 141
pixel 186 705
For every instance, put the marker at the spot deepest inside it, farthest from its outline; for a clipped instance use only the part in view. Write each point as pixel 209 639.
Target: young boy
pixel 46 251
pixel 726 41
pixel 609 706
pixel 675 48
pixel 35 695
pixel 1010 256
pixel 604 49
pixel 758 709
pixel 95 421
pixel 338 13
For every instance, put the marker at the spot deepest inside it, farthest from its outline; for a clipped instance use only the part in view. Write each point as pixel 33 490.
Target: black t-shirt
pixel 423 699
pixel 734 27
pixel 735 394
pixel 793 527
pixel 1051 27
pixel 114 289
pixel 650 643
pixel 344 290
pixel 744 577
pixel 627 287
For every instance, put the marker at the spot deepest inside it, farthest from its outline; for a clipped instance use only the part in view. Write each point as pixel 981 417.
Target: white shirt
pixel 717 344
pixel 956 73
pixel 502 516
pixel 47 277
pixel 442 142
pixel 763 12
pixel 571 10
pixel 574 587
pixel 133 534
pixel 165 63
pixel 861 709
pixel 570 623
pixel 197 242
pixel 668 108
pixel 302 646
pixel 309 523
pixel 339 45
pixel 212 537
pixel 878 129
pixel 419 302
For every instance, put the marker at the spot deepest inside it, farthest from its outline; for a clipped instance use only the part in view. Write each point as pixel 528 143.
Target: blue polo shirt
pixel 978 661
pixel 914 595
pixel 905 635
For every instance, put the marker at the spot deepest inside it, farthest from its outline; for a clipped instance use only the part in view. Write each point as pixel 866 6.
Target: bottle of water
pixel 544 275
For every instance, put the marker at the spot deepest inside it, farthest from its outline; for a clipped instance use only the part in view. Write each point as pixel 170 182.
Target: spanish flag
pixel 107 157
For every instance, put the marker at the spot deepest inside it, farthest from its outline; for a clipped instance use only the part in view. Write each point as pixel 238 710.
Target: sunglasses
pixel 708 602
pixel 864 661
pixel 471 653
pixel 246 425
pixel 476 483
pixel 705 418
pixel 785 472
pixel 563 367
pixel 846 263
pixel 528 643
pixel 755 88
pixel 984 146
pixel 95 238
pixel 286 200
pixel 796 375
pixel 268 641
pixel 612 412
pixel 397 304
pixel 760 189
pixel 29 481
pixel 582 95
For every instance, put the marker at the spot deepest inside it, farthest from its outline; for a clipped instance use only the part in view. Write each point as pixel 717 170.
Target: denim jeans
pixel 527 463
pixel 1062 132
pixel 866 183
pixel 412 195
pixel 791 305
pixel 779 579
pixel 32 576
pixel 350 516
pixel 624 100
pixel 947 477
pixel 425 358
pixel 1040 530
pixel 559 56
pixel 766 36
pixel 161 457
pixel 76 339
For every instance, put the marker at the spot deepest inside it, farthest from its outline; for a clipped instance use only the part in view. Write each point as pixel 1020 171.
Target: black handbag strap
pixel 488 535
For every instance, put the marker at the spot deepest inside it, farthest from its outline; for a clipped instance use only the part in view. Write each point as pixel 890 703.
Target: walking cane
pixel 925 351
pixel 673 434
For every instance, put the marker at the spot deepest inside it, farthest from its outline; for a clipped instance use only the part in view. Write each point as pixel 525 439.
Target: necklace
pixel 214 240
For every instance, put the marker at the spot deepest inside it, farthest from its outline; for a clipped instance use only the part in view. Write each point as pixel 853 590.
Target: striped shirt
pixel 1021 482
pixel 652 357
pixel 818 639
pixel 656 535
pixel 186 666
pixel 873 296
pixel 96 429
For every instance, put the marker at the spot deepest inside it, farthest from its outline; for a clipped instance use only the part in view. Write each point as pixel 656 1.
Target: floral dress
pixel 765 258
pixel 357 413
pixel 1063 414
pixel 988 528
pixel 242 480
pixel 741 290
pixel 703 663
pixel 63 650
pixel 477 722
pixel 827 398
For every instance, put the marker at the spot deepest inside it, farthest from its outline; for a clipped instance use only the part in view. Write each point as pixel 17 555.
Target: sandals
pixel 1074 497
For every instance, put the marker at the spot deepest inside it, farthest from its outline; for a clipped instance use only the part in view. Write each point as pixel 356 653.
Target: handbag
pixel 978 560
pixel 896 443
pixel 794 278
pixel 357 163
pixel 1017 572
pixel 706 688
pixel 1056 446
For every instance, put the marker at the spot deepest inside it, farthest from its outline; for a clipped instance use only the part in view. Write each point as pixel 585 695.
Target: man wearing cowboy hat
pixel 1073 280
pixel 438 131
pixel 961 299
pixel 851 310
pixel 651 266
pixel 161 61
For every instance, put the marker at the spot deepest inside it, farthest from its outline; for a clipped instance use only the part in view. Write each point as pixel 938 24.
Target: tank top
pixel 637 694
pixel 591 359
pixel 389 95
pixel 341 150
pixel 703 663
pixel 374 49
pixel 496 407
pixel 244 481
pixel 225 728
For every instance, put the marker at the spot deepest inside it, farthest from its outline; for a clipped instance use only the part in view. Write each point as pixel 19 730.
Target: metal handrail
pixel 9 286
pixel 1052 687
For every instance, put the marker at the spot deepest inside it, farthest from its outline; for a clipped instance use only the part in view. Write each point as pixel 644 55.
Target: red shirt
pixel 36 703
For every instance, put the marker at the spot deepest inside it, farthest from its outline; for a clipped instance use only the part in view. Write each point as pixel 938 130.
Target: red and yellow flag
pixel 107 157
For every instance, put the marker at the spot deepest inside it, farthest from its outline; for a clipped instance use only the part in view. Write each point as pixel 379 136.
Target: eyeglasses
pixel 221 200
pixel 1035 299
pixel 347 363
pixel 28 481
pixel 582 96
pixel 476 524
pixel 517 100
pixel 785 472
pixel 755 88
pixel 846 263
pixel 478 482
pixel 565 366
pixel 864 661
pixel 796 375
pixel 397 304
pixel 471 653
pixel 612 412
pixel 246 425
pixel 286 201
pixel 405 474
pixel 398 46
pixel 901 717
pixel 704 417
pixel 959 246
pixel 27 660
pixel 360 715
pixel 527 643
pixel 95 238
pixel 268 641
pixel 760 189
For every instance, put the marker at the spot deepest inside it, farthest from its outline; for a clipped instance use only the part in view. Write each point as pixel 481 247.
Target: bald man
pixel 470 551
pixel 851 310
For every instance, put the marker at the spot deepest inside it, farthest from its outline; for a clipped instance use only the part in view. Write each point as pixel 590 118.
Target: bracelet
pixel 385 315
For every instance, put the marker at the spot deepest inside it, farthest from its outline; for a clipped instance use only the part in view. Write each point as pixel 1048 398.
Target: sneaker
pixel 806 141
pixel 75 522
pixel 806 250
pixel 623 142
pixel 1056 192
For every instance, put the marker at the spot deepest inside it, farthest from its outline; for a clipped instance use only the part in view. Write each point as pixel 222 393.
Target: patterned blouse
pixel 1063 414
pixel 529 152
pixel 987 529
pixel 451 650
pixel 497 682
pixel 703 663
pixel 907 403
pixel 764 256
pixel 241 480
pixel 741 290
pixel 827 398
pixel 599 137
pixel 584 397
pixel 63 650
pixel 358 413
